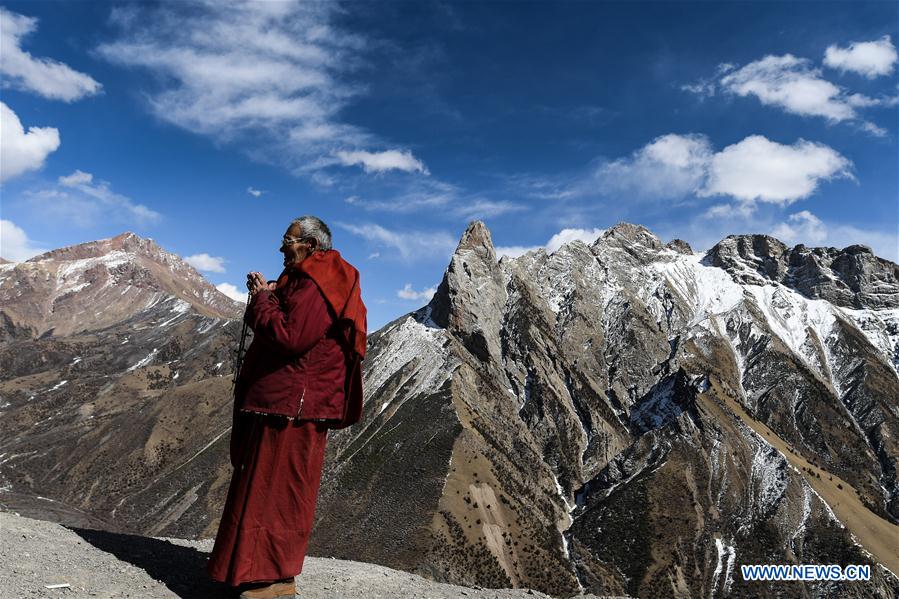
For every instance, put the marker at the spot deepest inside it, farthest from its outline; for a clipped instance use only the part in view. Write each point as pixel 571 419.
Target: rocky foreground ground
pixel 43 559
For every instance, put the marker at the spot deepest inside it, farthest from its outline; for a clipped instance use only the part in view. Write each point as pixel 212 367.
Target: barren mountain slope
pixel 115 407
pixel 562 421
pixel 625 417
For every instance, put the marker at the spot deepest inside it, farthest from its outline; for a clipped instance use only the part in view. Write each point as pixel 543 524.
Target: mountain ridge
pixel 96 284
pixel 596 367
pixel 628 386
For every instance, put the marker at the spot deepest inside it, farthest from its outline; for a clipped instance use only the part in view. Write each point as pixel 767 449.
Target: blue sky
pixel 208 127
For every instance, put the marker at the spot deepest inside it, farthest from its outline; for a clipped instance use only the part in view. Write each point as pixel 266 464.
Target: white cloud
pixel 374 255
pixel 79 177
pixel 21 151
pixel 801 227
pixel 702 88
pixel 206 263
pixel 42 76
pixel 14 243
pixel 408 293
pixel 754 169
pixel 80 201
pixel 794 85
pixel 254 192
pixel 425 194
pixel 870 59
pixel 759 169
pixel 409 245
pixel 378 162
pixel 730 211
pixel 268 75
pixel 431 194
pixel 543 188
pixel 669 166
pixel 564 236
pixel 232 292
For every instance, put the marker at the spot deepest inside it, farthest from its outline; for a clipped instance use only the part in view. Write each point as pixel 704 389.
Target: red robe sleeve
pixel 292 325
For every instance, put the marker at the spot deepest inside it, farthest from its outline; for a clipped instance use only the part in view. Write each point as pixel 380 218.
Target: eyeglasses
pixel 292 240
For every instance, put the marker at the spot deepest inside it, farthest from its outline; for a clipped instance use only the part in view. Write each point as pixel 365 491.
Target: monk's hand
pixel 256 282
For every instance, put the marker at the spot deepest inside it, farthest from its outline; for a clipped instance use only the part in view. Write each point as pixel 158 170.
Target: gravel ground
pixel 35 554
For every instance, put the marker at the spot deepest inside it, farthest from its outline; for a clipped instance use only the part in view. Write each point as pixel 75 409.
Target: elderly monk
pixel 301 376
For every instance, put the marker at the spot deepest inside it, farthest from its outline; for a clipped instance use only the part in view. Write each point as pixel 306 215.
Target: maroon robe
pixel 301 376
pixel 268 515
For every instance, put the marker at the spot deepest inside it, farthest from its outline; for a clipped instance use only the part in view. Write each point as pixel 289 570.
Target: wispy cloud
pixel 869 59
pixel 378 162
pixel 434 195
pixel 80 201
pixel 206 263
pixel 272 77
pixel 255 192
pixel 543 188
pixel 487 209
pixel 729 211
pixel 754 169
pixel 413 201
pixel 790 83
pixel 555 242
pixel 415 196
pixel 23 151
pixel 796 86
pixel 15 245
pixel 407 293
pixel 43 76
pixel 408 244
pixel 238 66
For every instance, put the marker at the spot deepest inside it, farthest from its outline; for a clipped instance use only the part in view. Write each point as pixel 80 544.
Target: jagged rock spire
pixel 471 296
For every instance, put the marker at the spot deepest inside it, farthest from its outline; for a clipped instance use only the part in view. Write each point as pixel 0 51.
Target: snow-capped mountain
pixel 627 417
pixel 630 417
pixel 96 284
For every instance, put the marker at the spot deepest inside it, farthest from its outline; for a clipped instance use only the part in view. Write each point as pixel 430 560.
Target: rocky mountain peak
pixel 680 246
pixel 477 240
pixel 551 403
pixel 634 243
pixel 852 277
pixel 751 259
pixel 630 233
pixel 577 396
pixel 98 283
pixel 470 298
pixel 127 242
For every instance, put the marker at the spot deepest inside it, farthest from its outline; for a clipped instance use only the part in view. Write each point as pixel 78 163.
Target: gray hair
pixel 312 226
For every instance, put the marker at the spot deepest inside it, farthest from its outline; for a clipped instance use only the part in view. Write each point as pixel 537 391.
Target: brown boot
pixel 280 589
